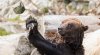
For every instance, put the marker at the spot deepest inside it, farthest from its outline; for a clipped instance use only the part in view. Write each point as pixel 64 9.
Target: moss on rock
pixel 3 32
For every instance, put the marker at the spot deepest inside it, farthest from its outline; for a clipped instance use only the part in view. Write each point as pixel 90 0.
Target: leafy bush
pixel 45 10
pixel 19 9
pixel 3 32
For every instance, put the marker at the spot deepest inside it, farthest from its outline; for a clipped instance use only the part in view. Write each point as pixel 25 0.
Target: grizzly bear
pixel 71 30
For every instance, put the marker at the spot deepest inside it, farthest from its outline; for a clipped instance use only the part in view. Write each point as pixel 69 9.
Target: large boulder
pixel 24 47
pixel 16 44
pixel 9 43
pixel 91 43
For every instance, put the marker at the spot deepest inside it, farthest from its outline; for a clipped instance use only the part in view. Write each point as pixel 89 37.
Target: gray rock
pixel 24 47
pixel 9 43
pixel 16 44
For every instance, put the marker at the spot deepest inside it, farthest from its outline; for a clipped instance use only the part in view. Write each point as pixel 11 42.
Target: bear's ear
pixel 85 28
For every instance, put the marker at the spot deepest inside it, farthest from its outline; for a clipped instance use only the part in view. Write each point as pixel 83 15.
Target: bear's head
pixel 72 30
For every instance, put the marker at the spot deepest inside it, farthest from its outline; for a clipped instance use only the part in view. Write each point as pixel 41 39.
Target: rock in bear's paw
pixel 30 23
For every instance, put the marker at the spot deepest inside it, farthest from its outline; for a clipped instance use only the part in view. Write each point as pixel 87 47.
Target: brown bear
pixel 72 32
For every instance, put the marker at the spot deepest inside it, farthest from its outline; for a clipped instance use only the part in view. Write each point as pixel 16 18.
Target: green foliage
pixel 3 32
pixel 17 18
pixel 45 10
pixel 67 1
pixel 19 9
pixel 71 8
